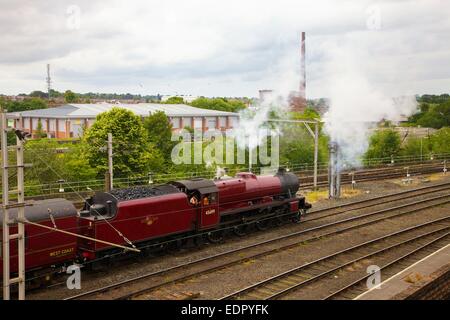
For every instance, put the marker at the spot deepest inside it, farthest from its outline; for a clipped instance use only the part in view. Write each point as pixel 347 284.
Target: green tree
pixel 440 141
pixel 307 114
pixel 236 105
pixel 383 144
pixel 133 153
pixel 220 104
pixel 70 97
pixel 76 165
pixel 175 100
pixel 415 147
pixel 437 116
pixel 159 130
pixel 39 134
pixel 297 145
pixel 24 105
pixel 431 98
pixel 47 164
pixel 38 94
pixel 55 94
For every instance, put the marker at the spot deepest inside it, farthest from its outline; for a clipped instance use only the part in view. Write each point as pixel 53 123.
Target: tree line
pixel 38 100
pixel 387 143
pixel 434 112
pixel 143 147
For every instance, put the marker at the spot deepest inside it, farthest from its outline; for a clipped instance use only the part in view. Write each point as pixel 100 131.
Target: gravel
pixel 226 281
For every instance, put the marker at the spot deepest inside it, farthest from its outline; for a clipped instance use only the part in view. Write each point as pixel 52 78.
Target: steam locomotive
pixel 152 217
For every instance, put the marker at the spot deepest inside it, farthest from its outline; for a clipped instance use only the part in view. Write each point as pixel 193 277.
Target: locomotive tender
pixel 150 217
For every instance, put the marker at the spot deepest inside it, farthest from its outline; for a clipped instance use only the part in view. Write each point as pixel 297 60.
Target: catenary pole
pixel 314 134
pixel 316 152
pixel 6 206
pixel 5 202
pixel 110 162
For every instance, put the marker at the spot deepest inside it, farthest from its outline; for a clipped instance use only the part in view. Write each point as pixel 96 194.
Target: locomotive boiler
pixel 151 217
pixel 185 208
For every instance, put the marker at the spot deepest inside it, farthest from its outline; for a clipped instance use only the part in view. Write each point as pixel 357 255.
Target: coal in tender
pixel 142 192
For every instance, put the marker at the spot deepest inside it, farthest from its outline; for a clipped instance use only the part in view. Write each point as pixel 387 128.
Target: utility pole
pixel 110 162
pixel 334 172
pixel 421 150
pixel 5 201
pixel 316 152
pixel 20 205
pixel 249 155
pixel 314 134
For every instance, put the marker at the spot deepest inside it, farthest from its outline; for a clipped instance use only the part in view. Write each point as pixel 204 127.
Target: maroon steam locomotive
pixel 151 217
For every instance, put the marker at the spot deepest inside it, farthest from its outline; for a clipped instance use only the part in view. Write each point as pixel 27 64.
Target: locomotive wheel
pixel 262 224
pixel 297 217
pixel 215 236
pixel 199 240
pixel 279 221
pixel 175 245
pixel 240 231
pixel 160 247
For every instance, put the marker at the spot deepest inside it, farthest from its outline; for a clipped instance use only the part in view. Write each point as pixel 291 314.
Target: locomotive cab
pixel 203 196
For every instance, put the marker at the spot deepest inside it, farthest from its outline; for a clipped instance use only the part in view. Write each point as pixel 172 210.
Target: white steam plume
pixel 285 78
pixel 356 104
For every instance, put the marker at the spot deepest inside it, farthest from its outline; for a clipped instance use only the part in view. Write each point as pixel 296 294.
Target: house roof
pixel 77 111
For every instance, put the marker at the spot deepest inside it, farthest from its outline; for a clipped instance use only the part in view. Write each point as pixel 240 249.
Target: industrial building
pixel 68 121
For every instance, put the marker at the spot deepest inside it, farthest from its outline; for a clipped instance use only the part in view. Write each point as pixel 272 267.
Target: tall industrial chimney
pixel 302 68
pixel 49 81
pixel 298 98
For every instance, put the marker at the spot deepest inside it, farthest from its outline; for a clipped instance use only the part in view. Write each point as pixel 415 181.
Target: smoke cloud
pixel 284 78
pixel 357 101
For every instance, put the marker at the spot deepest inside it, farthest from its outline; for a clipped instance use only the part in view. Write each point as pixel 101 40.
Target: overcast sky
pixel 221 48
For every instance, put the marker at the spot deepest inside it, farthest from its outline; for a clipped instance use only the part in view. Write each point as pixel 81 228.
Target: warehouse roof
pixel 76 111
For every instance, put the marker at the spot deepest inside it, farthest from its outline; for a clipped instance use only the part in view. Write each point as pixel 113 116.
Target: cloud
pixel 222 48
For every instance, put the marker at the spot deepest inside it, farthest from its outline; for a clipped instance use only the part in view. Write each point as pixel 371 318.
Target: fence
pixel 58 188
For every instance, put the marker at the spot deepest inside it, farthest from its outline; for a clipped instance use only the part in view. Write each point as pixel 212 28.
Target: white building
pixel 67 121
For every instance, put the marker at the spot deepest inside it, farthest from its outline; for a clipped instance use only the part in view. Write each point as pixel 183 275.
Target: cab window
pixel 194 199
pixel 209 199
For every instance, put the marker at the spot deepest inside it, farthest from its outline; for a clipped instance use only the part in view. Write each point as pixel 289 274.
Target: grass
pixel 415 181
pixel 314 196
pixel 437 176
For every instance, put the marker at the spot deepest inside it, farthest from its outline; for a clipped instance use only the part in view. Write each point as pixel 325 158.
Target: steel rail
pixel 390 264
pixel 307 281
pixel 383 197
pixel 233 251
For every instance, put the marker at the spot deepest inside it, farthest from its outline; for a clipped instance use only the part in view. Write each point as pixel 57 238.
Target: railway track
pixel 405 242
pixel 366 203
pixel 306 182
pixel 131 288
pixel 331 211
pixel 372 174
